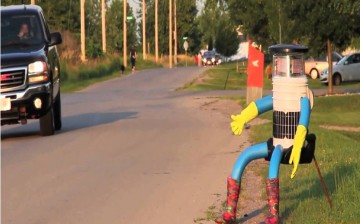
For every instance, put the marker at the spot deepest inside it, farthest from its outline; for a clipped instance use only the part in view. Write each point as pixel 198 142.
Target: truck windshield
pixel 20 31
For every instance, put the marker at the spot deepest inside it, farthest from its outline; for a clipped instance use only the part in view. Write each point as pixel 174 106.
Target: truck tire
pixel 47 123
pixel 57 113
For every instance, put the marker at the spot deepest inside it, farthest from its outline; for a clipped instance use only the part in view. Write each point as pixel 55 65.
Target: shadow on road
pixel 70 123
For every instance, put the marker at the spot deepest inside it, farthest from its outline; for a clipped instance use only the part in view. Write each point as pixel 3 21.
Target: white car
pixel 347 69
pixel 313 67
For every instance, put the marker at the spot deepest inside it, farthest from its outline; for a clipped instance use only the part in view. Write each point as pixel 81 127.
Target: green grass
pixel 76 85
pixel 302 198
pixel 215 77
pixel 75 77
pixel 337 110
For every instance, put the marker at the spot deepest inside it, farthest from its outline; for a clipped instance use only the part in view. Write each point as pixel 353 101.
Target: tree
pixel 323 29
pixel 61 15
pixel 227 39
pixel 114 27
pixel 315 26
pixel 256 18
pixel 312 22
pixel 208 22
pixel 186 24
pixel 163 17
pixel 210 44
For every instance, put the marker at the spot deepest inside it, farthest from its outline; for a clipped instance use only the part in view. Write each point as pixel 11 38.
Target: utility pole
pixel 170 34
pixel 156 32
pixel 175 34
pixel 103 26
pixel 32 2
pixel 125 35
pixel 279 25
pixel 82 25
pixel 330 72
pixel 144 28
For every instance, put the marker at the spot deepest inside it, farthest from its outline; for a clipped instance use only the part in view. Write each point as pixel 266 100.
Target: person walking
pixel 133 57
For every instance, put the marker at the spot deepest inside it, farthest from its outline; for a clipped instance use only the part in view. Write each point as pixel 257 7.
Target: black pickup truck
pixel 30 69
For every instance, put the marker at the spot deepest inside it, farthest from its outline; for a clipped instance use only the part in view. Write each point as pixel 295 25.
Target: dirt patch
pixel 252 200
pixel 341 128
pixel 227 108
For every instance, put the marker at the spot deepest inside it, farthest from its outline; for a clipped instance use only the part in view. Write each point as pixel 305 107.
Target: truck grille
pixel 12 78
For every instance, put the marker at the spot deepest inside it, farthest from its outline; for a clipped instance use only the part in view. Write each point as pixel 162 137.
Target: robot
pixel 291 103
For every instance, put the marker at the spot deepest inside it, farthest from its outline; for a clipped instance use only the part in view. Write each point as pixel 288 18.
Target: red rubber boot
pixel 233 190
pixel 272 191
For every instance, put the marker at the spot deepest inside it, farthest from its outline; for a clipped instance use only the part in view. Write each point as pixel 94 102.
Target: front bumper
pixel 208 62
pixel 23 106
pixel 323 78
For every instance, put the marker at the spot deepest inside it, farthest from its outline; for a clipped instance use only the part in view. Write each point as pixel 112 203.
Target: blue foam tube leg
pixel 253 152
pixel 275 162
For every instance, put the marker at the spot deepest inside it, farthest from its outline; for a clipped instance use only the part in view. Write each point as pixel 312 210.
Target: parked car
pixel 30 69
pixel 313 67
pixel 210 58
pixel 347 69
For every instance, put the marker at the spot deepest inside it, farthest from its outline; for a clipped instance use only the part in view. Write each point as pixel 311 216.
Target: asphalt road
pixel 132 150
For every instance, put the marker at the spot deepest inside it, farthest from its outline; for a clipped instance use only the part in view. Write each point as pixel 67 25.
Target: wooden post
pixel 329 54
pixel 103 14
pixel 175 34
pixel 82 24
pixel 253 94
pixel 170 34
pixel 156 32
pixel 125 35
pixel 144 28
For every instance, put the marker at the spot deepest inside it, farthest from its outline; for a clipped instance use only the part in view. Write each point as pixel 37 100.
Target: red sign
pixel 255 69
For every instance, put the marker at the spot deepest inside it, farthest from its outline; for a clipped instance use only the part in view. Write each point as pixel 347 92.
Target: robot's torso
pixel 287 93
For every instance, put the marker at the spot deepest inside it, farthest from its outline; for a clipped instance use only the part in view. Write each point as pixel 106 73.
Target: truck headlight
pixel 213 59
pixel 37 72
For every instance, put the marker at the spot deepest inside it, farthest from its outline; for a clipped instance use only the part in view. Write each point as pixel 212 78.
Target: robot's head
pixel 288 60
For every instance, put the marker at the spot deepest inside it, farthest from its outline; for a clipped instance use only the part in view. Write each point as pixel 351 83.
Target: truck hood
pixel 14 57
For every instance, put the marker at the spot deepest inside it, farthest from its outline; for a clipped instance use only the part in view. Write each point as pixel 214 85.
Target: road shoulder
pixel 252 198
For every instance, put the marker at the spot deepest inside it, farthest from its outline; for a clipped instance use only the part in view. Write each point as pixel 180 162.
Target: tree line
pixel 217 25
pixel 308 22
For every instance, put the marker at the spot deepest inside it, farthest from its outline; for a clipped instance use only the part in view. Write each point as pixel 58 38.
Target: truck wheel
pixel 47 123
pixel 57 113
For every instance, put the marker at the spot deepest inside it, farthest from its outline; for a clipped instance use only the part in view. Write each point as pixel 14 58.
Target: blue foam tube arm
pixel 304 112
pixel 264 104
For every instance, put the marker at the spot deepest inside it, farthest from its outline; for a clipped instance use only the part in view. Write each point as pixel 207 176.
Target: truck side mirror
pixel 55 38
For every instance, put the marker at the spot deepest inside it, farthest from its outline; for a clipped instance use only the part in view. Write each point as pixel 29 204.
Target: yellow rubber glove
pixel 239 121
pixel 296 150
